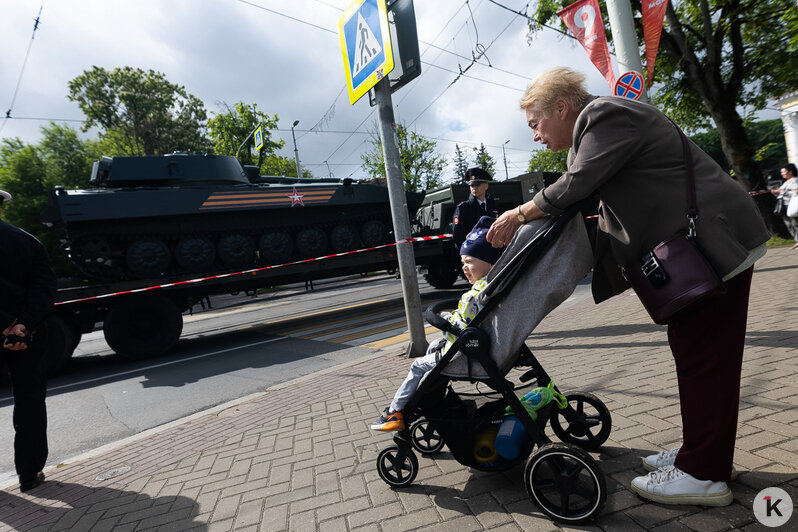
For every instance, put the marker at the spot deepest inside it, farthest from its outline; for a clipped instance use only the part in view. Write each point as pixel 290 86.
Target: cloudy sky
pixel 285 56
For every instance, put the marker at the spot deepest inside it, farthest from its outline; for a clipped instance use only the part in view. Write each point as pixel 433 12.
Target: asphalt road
pixel 239 347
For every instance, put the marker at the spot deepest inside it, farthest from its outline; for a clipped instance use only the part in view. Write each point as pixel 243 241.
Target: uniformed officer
pixel 27 292
pixel 478 204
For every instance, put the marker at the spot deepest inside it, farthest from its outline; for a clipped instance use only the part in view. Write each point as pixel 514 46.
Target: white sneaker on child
pixel 667 458
pixel 671 485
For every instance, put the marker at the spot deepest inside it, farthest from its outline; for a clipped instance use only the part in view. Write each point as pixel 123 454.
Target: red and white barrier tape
pixel 255 270
pixel 263 268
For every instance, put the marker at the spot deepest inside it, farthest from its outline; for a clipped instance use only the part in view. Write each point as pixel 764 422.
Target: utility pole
pixel 296 151
pixel 401 220
pixel 506 174
pixel 624 38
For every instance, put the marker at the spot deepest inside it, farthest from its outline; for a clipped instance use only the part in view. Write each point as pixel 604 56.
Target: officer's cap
pixel 477 175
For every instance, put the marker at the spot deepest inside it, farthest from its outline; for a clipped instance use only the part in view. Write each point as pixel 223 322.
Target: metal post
pixel 328 168
pixel 296 151
pixel 401 220
pixel 506 174
pixel 624 38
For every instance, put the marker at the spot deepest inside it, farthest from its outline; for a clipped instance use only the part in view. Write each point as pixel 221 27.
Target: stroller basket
pixel 545 261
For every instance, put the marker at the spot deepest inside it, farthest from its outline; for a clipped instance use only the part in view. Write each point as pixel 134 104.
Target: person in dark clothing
pixel 27 293
pixel 479 204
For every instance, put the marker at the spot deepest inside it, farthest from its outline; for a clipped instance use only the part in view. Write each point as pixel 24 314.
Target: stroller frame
pixel 561 478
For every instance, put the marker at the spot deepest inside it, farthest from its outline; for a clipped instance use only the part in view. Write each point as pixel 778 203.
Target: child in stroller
pixel 478 257
pixel 542 265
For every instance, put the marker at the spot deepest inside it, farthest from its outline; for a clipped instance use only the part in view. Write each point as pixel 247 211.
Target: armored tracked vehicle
pixel 154 216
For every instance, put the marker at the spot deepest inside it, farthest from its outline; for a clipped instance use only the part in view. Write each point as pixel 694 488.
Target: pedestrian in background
pixel 479 204
pixel 632 156
pixel 27 293
pixel 788 189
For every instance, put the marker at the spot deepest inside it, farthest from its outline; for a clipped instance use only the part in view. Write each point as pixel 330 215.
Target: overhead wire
pixel 461 73
pixel 36 23
pixel 474 59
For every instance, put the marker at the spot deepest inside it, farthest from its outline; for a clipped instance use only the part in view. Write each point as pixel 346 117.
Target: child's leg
pixel 418 369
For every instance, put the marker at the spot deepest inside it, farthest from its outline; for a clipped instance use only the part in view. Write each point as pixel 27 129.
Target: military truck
pixel 156 235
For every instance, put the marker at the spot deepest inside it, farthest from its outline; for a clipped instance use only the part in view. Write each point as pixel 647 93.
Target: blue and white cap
pixel 476 244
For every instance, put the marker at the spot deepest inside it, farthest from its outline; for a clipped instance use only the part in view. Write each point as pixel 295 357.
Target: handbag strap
pixel 692 210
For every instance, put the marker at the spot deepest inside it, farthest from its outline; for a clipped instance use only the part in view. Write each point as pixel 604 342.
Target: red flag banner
pixel 584 20
pixel 653 15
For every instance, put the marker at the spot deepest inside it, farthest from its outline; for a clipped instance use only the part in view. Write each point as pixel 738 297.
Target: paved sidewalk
pixel 300 456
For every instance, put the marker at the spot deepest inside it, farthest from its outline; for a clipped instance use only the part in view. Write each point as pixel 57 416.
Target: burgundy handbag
pixel 675 274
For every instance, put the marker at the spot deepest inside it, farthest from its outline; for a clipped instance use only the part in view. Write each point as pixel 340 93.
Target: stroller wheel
pixel 395 474
pixel 586 422
pixel 425 439
pixel 566 483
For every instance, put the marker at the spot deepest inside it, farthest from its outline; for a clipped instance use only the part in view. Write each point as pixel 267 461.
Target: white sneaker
pixel 671 485
pixel 667 458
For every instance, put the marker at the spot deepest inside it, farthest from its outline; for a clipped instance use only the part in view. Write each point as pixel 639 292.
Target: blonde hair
pixel 553 84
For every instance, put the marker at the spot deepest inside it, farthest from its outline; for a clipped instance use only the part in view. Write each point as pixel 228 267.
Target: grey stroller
pixel 539 270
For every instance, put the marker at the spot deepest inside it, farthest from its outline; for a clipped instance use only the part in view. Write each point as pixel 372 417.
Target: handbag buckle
pixel 653 270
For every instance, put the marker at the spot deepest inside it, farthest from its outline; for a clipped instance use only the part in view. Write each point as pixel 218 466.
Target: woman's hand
pixel 503 229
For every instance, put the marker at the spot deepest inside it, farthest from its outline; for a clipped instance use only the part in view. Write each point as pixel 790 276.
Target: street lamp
pixel 328 168
pixel 296 151
pixel 506 175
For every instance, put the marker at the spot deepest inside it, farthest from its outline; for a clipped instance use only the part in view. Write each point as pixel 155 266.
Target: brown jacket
pixel 631 155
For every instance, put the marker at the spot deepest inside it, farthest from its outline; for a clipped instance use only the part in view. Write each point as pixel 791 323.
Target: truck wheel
pixel 143 326
pixel 195 253
pixel 373 233
pixel 62 338
pixel 311 242
pixel 344 237
pixel 236 250
pixel 275 247
pixel 441 275
pixel 148 257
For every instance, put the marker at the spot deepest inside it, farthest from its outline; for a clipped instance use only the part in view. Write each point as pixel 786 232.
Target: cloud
pixel 285 56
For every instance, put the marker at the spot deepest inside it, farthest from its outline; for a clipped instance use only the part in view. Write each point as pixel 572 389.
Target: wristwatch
pixel 521 216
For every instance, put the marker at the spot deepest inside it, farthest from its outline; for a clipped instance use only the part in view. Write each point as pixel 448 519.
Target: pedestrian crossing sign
pixel 259 138
pixel 366 45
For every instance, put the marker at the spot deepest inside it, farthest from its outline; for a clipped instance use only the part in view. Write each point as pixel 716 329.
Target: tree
pixel 229 130
pixel 544 160
pixel 483 159
pixel 29 172
pixel 140 113
pixel 717 57
pixel 460 164
pixel 421 166
pixel 767 140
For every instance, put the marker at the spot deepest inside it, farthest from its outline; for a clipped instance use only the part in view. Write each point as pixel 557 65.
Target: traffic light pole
pixel 401 220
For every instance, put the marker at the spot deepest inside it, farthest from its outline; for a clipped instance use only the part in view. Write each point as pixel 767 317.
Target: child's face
pixel 474 268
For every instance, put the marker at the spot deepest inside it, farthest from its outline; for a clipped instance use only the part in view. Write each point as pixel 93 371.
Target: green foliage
pixel 278 165
pixel 483 159
pixel 138 112
pixel 460 164
pixel 716 57
pixel 421 165
pixel 29 172
pixel 544 160
pixel 766 137
pixel 229 130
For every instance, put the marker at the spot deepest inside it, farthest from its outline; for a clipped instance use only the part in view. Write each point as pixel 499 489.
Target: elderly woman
pixel 631 156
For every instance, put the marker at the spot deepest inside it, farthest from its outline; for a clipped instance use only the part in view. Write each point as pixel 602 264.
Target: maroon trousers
pixel 707 346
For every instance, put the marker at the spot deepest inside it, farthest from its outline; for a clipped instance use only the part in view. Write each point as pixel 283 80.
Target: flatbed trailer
pixel 144 318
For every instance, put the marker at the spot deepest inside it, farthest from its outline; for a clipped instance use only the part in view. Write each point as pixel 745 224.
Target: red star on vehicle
pixel 296 198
